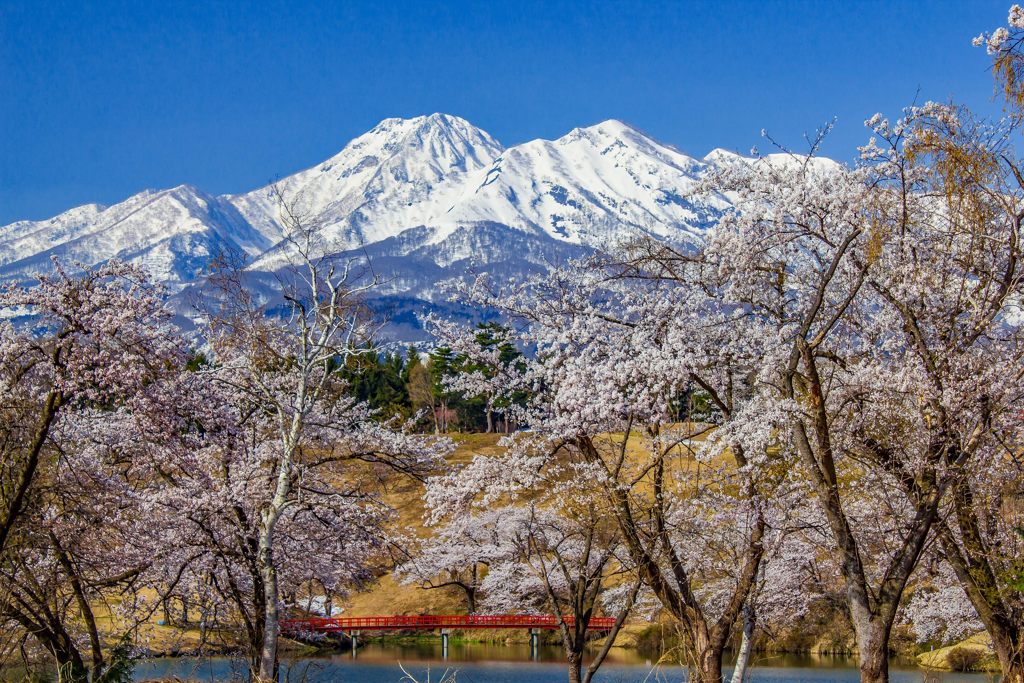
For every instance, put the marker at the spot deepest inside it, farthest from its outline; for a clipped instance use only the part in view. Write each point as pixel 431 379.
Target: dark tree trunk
pixel 969 557
pixel 707 656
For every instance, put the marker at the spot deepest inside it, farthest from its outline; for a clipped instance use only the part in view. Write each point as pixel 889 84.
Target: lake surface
pixel 484 663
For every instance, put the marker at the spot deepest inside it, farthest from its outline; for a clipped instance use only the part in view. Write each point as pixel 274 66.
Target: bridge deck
pixel 426 622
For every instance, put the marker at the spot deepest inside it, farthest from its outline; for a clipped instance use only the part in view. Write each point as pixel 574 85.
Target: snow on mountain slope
pixel 173 233
pixel 401 174
pixel 427 198
pixel 590 186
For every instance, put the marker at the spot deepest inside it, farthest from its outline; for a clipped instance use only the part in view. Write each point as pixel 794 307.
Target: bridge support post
pixel 534 643
pixel 352 639
pixel 444 643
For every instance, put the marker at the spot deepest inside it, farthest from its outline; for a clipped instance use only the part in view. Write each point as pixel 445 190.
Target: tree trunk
pixel 471 595
pixel 873 651
pixel 1010 652
pixel 739 673
pixel 85 609
pixel 70 669
pixel 490 421
pixel 705 664
pixel 575 666
pixel 707 667
pixel 268 651
pixel 1013 670
pixel 54 639
pixel 969 559
pixel 54 401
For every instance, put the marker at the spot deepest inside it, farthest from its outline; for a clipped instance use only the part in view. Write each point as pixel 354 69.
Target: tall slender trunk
pixel 268 568
pixel 470 590
pixel 739 672
pixel 490 420
pixel 268 651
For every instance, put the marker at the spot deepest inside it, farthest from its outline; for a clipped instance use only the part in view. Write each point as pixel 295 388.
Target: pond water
pixel 483 663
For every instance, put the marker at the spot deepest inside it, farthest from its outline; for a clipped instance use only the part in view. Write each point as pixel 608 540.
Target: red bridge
pixel 427 622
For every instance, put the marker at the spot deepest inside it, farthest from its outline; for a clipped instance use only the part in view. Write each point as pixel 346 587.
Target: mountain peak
pixel 610 132
pixel 433 184
pixel 613 127
pixel 397 126
pixel 720 155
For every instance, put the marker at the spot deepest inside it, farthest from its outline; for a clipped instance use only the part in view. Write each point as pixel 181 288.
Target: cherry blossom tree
pixel 939 610
pixel 277 364
pixel 94 337
pixel 77 351
pixel 888 289
pixel 80 558
pixel 621 341
pixel 967 343
pixel 456 554
pixel 553 549
pixel 215 472
pixel 615 351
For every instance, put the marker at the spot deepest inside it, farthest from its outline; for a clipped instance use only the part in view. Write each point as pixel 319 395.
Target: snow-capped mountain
pixel 589 186
pixel 173 233
pixel 400 174
pixel 426 198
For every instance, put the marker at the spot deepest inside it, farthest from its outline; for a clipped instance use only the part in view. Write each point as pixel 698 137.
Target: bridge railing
pixel 435 621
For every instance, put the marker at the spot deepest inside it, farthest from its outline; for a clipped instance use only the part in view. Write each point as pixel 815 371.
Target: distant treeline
pixel 418 383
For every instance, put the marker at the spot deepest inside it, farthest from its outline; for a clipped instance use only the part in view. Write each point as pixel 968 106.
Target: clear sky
pixel 99 100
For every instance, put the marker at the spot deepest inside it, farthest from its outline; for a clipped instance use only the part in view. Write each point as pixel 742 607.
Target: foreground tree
pixel 90 348
pixel 615 351
pixel 279 371
pixel 215 486
pixel 889 290
pixel 970 347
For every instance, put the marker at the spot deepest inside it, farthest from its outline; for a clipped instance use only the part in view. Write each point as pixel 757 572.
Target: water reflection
pixel 493 663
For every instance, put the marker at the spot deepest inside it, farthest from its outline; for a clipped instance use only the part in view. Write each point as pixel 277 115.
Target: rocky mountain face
pixel 426 199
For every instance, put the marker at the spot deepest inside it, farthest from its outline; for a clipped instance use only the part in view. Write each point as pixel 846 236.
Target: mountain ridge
pixel 428 195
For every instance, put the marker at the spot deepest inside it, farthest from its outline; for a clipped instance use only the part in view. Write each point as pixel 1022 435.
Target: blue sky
pixel 99 100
